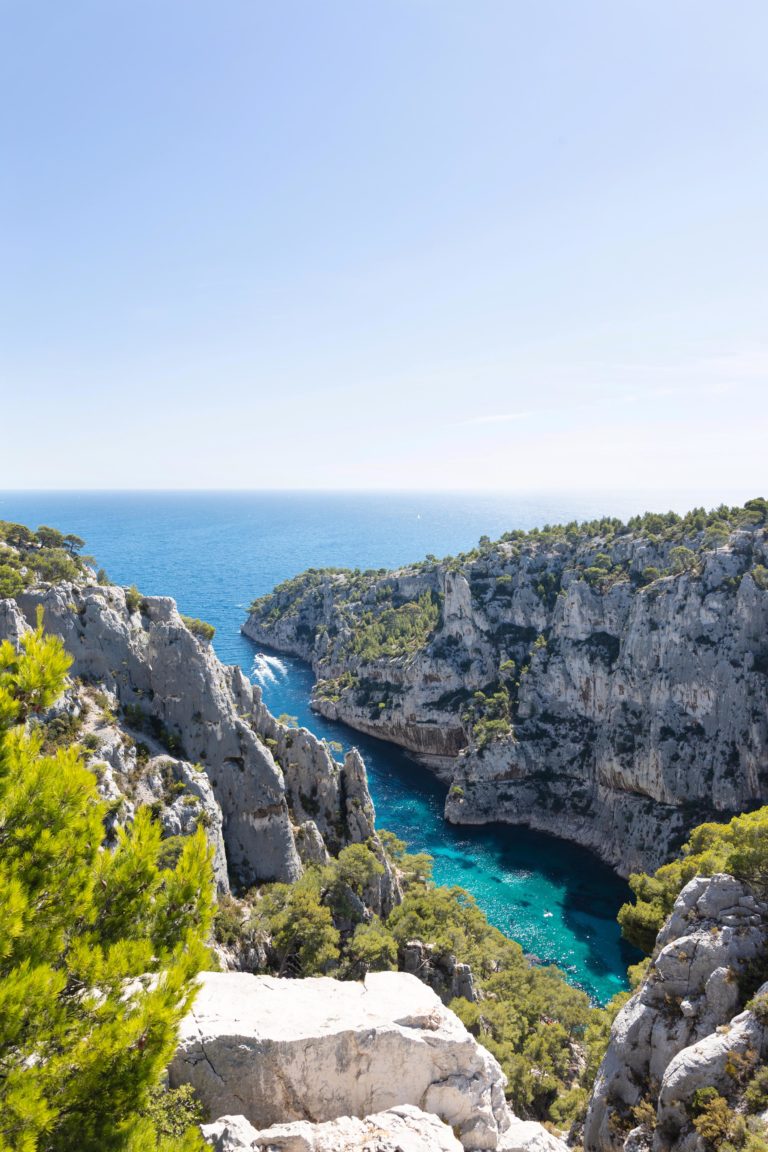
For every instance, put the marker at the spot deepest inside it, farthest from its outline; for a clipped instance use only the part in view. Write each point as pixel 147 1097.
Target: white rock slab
pixel 403 1129
pixel 275 1051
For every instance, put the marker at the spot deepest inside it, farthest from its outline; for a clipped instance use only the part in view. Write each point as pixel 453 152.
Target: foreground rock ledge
pixel 401 1129
pixel 276 1051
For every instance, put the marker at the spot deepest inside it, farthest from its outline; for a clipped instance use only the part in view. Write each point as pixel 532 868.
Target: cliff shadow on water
pixel 556 898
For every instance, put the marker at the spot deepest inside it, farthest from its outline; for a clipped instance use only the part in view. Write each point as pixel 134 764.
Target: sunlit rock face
pixel 290 1056
pixel 638 700
pixel 403 1129
pixel 169 725
pixel 685 1028
pixel 315 1049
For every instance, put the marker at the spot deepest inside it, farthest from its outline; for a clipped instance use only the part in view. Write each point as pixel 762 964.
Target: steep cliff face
pixel 622 673
pixel 165 723
pixel 688 1027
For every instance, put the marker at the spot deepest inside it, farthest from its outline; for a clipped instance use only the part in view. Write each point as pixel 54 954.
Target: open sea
pixel 215 551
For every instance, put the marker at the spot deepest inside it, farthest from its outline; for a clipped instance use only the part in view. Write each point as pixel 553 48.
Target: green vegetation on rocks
pixel 45 556
pixel 489 717
pixel 739 848
pixel 392 632
pixel 99 948
pixel 199 628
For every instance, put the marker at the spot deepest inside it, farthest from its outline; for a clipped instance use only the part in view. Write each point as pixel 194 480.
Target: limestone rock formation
pixel 167 724
pixel 404 1128
pixel 399 1129
pixel 441 971
pixel 529 1136
pixel 684 1028
pixel 624 677
pixel 277 1051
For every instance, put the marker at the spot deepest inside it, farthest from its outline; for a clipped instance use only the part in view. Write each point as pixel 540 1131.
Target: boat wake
pixel 266 669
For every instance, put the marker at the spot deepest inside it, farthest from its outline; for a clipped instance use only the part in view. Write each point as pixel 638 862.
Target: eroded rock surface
pixel 400 1129
pixel 275 1051
pixel 681 1029
pixel 167 724
pixel 638 705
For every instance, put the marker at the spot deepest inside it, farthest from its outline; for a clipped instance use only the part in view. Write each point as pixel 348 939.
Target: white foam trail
pixel 262 672
pixel 266 667
pixel 274 662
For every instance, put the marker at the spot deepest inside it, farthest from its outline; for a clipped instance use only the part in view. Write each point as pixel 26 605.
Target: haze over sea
pixel 215 551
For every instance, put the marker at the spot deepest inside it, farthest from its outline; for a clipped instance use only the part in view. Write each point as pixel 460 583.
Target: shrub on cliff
pixel 27 557
pixel 530 1018
pixel 394 632
pixel 200 628
pixel 739 847
pixel 489 717
pixel 303 937
pixel 99 949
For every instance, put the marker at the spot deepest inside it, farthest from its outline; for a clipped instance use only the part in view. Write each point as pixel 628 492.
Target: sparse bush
pixel 199 628
pixel 133 599
pixel 174 1111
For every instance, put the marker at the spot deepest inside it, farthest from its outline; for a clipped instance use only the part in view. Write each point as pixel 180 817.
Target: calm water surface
pixel 214 552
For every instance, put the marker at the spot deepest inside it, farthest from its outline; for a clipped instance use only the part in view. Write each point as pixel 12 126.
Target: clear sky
pixel 384 243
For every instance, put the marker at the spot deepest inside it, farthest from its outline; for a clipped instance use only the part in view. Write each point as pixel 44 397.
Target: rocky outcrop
pixel 335 797
pixel 167 724
pixel 440 970
pixel 717 1061
pixel 277 1051
pixel 685 1028
pixel 624 678
pixel 171 683
pixel 401 1129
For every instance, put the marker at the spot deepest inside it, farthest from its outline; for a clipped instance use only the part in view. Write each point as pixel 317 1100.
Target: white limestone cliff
pixel 167 724
pixel 399 1129
pixel 403 1128
pixel 638 706
pixel 680 1030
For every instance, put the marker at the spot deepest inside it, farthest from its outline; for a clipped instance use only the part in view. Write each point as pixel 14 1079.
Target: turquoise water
pixel 215 551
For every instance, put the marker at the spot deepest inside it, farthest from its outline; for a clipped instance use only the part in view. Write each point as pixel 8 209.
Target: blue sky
pixel 401 243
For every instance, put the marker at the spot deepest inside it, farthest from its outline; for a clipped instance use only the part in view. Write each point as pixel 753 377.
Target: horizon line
pixel 315 490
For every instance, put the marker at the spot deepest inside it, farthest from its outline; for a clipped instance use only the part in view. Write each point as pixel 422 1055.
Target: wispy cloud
pixel 501 418
pixel 606 386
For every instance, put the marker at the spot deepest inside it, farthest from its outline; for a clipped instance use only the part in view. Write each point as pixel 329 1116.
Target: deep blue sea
pixel 214 552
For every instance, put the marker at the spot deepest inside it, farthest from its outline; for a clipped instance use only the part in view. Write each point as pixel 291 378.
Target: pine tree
pixel 99 948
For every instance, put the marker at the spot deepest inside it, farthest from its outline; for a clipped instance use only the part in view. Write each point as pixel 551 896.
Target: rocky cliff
pixel 607 683
pixel 165 723
pixel 686 1047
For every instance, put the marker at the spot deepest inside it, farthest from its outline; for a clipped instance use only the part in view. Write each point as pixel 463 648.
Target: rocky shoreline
pixel 610 689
